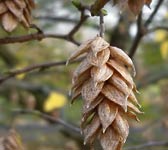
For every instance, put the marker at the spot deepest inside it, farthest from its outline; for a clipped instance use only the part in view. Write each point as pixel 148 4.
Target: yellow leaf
pixel 160 35
pixel 54 100
pixel 164 49
pixel 20 76
pixel 166 15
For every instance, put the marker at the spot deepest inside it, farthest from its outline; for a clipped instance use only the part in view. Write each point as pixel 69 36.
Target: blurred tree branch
pixel 39 91
pixel 47 117
pixel 64 19
pixel 83 18
pixel 41 35
pixel 153 77
pixel 138 36
pixel 150 19
pixel 55 18
pixel 34 36
pixel 28 86
pixel 7 56
pixel 142 29
pixel 40 67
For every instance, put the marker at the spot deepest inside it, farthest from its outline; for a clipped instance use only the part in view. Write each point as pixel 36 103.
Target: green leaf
pixel 104 12
pixel 76 3
pixel 97 6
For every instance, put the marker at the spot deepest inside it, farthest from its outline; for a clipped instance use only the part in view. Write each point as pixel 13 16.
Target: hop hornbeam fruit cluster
pixel 11 141
pixel 134 5
pixel 103 80
pixel 13 12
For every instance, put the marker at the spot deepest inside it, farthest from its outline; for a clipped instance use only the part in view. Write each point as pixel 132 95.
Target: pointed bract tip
pixel 138 92
pixel 137 119
pixel 104 130
pixel 83 119
pixel 125 109
pixel 72 101
pixel 148 5
pixel 67 62
pixel 134 72
pixel 70 93
pixel 124 140
pixel 95 84
pixel 95 54
pixel 139 105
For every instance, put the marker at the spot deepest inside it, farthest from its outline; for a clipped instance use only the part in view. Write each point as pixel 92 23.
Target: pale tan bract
pixel 104 81
pixel 15 12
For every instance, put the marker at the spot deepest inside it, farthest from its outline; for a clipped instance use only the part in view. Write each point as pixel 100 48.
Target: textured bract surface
pixel 13 12
pixel 104 81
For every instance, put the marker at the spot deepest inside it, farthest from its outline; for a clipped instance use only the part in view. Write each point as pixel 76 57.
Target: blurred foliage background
pixel 47 90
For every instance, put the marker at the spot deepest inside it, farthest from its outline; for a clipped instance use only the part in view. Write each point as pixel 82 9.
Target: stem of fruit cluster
pixel 101 24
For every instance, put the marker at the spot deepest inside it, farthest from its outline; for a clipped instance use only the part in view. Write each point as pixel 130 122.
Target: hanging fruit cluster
pixel 11 141
pixel 103 80
pixel 134 5
pixel 13 12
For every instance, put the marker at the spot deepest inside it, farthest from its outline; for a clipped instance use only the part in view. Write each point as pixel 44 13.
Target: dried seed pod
pixel 11 141
pixel 14 12
pixel 103 80
pixel 134 5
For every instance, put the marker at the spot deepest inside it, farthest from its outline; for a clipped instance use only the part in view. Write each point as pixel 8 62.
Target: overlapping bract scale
pixel 14 12
pixel 103 80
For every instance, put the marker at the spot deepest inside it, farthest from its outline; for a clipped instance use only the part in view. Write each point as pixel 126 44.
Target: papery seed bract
pixel 107 88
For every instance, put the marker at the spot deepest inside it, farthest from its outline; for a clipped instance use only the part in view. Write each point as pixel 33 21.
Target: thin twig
pixel 48 117
pixel 41 66
pixel 40 35
pixel 83 18
pixel 101 24
pixel 66 20
pixel 138 36
pixel 34 36
pixel 142 29
pixel 148 144
pixel 56 18
pixel 149 20
pixel 34 26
